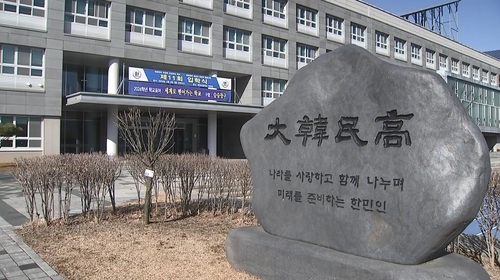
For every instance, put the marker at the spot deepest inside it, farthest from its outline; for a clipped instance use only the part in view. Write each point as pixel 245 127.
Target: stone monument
pixel 361 170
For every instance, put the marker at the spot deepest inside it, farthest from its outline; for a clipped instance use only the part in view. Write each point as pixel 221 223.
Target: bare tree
pixel 488 218
pixel 147 141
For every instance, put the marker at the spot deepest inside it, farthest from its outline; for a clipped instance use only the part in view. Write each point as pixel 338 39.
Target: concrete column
pixel 112 129
pixel 212 134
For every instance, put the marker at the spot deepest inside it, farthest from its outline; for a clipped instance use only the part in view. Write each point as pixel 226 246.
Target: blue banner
pixel 176 91
pixel 177 78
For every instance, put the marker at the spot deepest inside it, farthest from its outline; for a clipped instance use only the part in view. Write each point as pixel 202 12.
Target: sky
pixel 478 20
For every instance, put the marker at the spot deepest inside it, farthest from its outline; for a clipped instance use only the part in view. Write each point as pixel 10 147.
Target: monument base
pixel 271 257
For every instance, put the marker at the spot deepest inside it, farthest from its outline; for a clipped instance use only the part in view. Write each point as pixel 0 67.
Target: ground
pixel 123 248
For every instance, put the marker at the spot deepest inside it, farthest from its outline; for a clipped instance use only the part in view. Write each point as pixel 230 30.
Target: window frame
pixel 75 16
pixel 475 73
pixel 455 66
pixel 275 40
pixel 465 69
pixel 273 93
pixel 416 54
pixel 382 46
pixel 185 32
pixel 430 62
pixel 239 3
pixel 485 76
pixel 400 49
pixel 226 42
pixel 358 39
pixel 28 138
pixel 20 6
pixel 493 78
pixel 271 11
pixel 306 49
pixel 312 23
pixel 131 26
pixel 335 28
pixel 15 65
pixel 445 64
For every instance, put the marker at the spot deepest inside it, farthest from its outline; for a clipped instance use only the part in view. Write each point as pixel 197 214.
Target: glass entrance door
pixel 185 136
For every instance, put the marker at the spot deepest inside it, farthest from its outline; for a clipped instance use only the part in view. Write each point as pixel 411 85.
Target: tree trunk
pixel 147 200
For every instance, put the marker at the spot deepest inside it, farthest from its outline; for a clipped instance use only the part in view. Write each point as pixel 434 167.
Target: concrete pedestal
pixel 272 257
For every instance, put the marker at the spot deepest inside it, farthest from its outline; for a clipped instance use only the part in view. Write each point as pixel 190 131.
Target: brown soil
pixel 122 247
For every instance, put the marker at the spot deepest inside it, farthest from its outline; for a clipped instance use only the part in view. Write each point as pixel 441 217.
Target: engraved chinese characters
pixel 367 158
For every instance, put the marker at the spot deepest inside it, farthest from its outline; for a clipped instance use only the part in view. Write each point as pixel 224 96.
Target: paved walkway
pixel 17 260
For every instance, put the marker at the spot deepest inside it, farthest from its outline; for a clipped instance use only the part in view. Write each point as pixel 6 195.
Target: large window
pixel 21 61
pixel 455 66
pixel 358 35
pixel 241 8
pixel 485 77
pixel 194 31
pixel 24 7
pixel 144 22
pixel 30 137
pixel 381 43
pixel 274 51
pixel 275 8
pixel 443 62
pixel 272 89
pixel 274 12
pixel 416 54
pixel 465 69
pixel 305 54
pixel 400 49
pixel 144 27
pixel 334 28
pixel 430 59
pixel 244 4
pixel 237 44
pixel 88 12
pixel 24 13
pixel 307 20
pixel 475 73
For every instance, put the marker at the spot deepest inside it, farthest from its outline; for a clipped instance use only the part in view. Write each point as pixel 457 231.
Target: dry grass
pixel 122 247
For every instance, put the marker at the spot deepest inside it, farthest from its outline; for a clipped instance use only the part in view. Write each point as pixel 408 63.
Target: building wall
pixel 42 97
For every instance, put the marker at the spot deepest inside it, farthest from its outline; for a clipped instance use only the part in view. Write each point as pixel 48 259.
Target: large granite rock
pixel 367 158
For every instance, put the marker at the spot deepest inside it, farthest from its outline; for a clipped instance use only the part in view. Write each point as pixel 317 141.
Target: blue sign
pixel 176 78
pixel 178 91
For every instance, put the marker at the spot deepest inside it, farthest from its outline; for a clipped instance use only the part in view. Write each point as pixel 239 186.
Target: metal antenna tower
pixel 442 19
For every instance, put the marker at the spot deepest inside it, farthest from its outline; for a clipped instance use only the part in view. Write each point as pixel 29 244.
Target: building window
pixel 416 54
pixel 454 66
pixel 30 137
pixel 243 4
pixel 237 44
pixel 485 76
pixel 207 4
pixel 24 7
pixel 194 31
pixel 430 59
pixel 400 49
pixel 21 61
pixel 358 35
pixel 475 73
pixel 307 20
pixel 241 8
pixel 493 78
pixel 144 22
pixel 305 54
pixel 272 89
pixel 274 9
pixel 95 13
pixel 274 51
pixel 465 69
pixel 335 28
pixel 381 43
pixel 443 62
